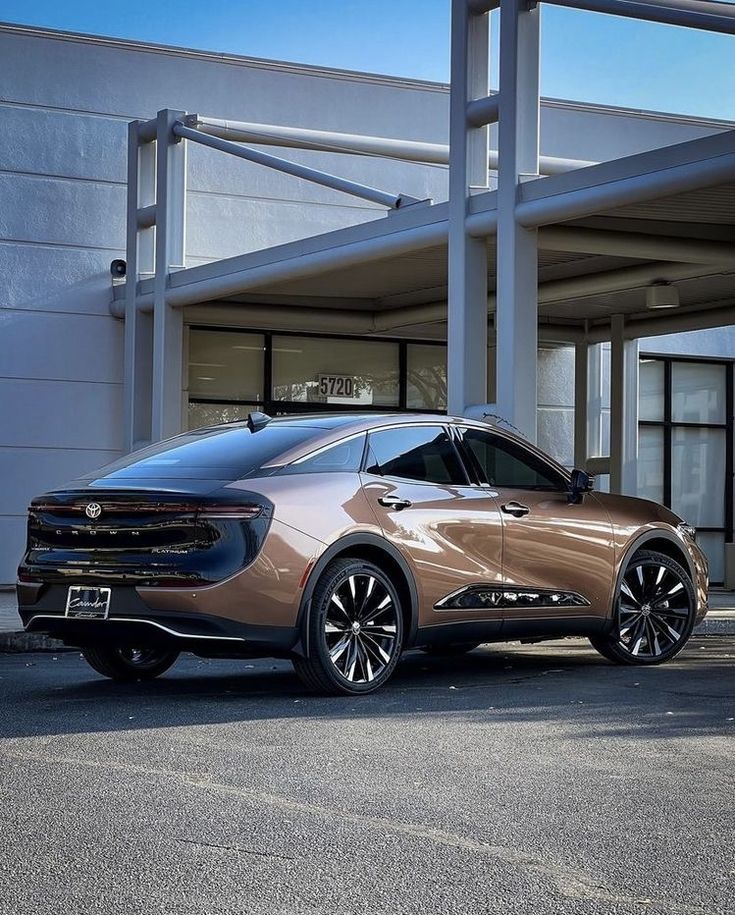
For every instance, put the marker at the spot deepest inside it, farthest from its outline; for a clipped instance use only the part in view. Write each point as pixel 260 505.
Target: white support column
pixel 594 400
pixel 630 430
pixel 168 325
pixel 581 405
pixel 516 317
pixel 623 409
pixel 138 325
pixel 467 334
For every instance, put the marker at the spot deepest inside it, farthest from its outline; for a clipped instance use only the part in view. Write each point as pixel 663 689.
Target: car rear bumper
pixel 132 622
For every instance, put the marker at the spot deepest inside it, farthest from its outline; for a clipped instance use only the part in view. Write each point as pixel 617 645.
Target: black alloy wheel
pixel 355 630
pixel 654 614
pixel 127 664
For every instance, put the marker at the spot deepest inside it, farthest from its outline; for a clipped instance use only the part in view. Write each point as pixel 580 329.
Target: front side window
pixel 422 453
pixel 505 463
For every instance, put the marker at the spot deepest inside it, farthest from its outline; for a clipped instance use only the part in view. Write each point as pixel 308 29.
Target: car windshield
pixel 218 453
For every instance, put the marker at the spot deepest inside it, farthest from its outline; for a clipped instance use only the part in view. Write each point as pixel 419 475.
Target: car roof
pixel 337 426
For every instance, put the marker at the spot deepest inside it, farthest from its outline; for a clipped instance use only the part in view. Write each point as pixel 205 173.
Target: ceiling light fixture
pixel 662 295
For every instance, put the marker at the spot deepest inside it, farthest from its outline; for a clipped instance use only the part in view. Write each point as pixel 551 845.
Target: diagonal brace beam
pixel 392 201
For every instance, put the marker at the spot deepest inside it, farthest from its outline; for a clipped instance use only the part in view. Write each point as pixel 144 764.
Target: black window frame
pixel 447 430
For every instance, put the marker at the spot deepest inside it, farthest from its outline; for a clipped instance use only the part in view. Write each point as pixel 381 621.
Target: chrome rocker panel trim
pixel 509 597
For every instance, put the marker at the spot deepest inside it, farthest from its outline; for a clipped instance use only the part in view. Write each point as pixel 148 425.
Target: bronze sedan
pixel 340 541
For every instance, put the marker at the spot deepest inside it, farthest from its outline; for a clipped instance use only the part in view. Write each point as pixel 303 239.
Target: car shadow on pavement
pixel 564 682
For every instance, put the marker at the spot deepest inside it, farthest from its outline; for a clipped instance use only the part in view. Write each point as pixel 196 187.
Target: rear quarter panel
pixel 311 511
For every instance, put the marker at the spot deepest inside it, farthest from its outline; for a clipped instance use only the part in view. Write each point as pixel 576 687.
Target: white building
pixel 66 102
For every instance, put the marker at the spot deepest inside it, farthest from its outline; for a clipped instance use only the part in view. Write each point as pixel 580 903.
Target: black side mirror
pixel 580 483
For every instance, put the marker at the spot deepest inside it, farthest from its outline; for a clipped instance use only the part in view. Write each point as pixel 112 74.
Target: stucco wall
pixel 65 102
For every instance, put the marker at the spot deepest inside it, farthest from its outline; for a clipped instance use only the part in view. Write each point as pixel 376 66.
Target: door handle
pixel 394 502
pixel 516 509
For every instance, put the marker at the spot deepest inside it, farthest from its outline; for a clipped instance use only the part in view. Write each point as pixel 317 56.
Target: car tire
pixel 127 665
pixel 452 650
pixel 654 613
pixel 354 631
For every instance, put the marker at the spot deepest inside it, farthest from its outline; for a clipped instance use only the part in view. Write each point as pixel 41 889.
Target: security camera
pixel 118 268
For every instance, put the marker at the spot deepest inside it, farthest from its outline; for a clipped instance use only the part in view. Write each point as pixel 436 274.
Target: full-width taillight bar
pixel 230 512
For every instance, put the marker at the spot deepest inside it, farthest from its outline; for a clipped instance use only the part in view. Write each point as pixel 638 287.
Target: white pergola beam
pixel 138 335
pixel 638 245
pixel 168 324
pixel 478 7
pixel 354 144
pixel 581 404
pixel 623 409
pixel 467 330
pixel 668 173
pixel 516 314
pixel 482 111
pixel 295 169
pixel 693 15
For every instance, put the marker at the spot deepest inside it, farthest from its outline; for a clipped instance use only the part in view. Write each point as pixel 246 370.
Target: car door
pixel 558 555
pixel 449 532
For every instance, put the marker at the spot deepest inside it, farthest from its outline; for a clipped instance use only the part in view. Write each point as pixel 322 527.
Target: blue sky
pixel 585 56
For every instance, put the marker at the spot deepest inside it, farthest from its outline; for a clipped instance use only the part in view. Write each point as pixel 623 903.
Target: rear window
pixel 217 454
pixel 342 457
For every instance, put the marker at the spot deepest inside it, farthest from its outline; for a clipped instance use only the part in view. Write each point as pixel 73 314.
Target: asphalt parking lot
pixel 519 779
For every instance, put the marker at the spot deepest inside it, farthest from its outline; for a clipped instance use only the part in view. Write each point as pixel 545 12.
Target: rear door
pixel 449 531
pixel 558 557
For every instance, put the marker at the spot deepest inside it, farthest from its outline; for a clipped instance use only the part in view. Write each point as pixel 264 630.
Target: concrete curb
pixel 718 623
pixel 722 623
pixel 29 641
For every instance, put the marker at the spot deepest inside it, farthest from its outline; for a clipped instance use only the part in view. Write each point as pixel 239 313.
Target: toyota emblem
pixel 93 510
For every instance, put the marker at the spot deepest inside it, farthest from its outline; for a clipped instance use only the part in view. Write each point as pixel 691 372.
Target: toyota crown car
pixel 340 541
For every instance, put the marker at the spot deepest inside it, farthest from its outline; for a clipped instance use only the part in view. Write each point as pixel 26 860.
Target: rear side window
pixel 422 453
pixel 229 453
pixel 507 464
pixel 344 456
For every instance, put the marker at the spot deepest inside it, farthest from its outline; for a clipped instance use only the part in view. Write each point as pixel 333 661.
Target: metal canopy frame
pixel 541 204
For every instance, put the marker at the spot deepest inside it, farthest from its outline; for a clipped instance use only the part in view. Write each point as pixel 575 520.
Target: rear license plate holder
pixel 85 603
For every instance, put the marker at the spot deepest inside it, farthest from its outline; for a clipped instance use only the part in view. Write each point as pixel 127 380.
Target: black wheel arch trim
pixel 638 543
pixel 339 548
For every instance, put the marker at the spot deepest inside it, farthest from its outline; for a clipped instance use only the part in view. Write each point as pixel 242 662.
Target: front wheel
pixel 354 631
pixel 129 664
pixel 655 609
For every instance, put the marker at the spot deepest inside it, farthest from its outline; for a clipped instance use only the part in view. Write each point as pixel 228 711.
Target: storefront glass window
pixel 426 383
pixel 225 365
pixel 209 414
pixel 333 371
pixel 651 463
pixel 683 442
pixel 698 475
pixel 697 392
pixel 651 388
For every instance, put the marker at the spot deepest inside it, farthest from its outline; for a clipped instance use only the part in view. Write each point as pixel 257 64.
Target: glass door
pixel 685 446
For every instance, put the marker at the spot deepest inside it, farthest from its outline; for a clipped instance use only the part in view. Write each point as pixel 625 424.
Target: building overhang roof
pixel 605 233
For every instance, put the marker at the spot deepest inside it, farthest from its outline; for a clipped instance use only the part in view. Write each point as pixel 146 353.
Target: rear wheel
pixel 129 664
pixel 355 630
pixel 655 611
